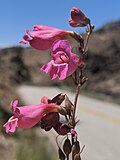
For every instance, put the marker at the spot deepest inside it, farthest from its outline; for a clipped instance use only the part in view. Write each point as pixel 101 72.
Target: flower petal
pixel 47 67
pixel 13 106
pixel 53 72
pixel 50 68
pixel 44 100
pixel 11 125
pixel 61 45
pixel 62 73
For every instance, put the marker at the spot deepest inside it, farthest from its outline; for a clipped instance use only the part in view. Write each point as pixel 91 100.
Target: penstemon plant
pixel 65 63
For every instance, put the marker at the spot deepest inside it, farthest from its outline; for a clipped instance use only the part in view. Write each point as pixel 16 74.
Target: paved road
pixel 99 127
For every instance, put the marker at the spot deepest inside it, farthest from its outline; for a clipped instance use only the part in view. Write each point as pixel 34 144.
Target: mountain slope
pixel 103 68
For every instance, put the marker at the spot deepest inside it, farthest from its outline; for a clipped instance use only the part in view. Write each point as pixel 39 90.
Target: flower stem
pixel 89 28
pixel 67 156
pixel 80 77
pixel 75 103
pixel 74 79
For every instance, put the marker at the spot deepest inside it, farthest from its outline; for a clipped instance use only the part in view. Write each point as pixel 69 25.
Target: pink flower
pixel 42 37
pixel 78 19
pixel 28 116
pixel 64 62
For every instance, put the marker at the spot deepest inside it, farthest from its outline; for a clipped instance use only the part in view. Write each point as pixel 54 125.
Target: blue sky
pixel 17 15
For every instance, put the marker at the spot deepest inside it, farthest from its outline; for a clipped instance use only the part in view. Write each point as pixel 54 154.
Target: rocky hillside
pixel 103 68
pixel 21 66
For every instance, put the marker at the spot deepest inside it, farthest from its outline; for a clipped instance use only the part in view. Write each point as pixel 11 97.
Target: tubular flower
pixel 64 62
pixel 78 19
pixel 27 116
pixel 42 37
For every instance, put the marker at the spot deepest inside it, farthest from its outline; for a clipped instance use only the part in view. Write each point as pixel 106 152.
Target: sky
pixel 17 15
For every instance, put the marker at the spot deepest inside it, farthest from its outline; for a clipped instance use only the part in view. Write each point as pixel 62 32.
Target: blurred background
pixel 20 65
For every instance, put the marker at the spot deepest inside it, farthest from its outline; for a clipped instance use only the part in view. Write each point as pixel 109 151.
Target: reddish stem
pixel 75 104
pixel 87 38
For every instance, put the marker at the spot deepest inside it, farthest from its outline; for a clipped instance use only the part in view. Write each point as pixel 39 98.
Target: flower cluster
pixel 65 63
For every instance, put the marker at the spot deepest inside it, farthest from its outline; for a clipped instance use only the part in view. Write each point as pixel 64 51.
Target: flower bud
pixel 67 147
pixel 78 18
pixel 61 129
pixel 77 15
pixel 62 110
pixel 49 120
pixel 61 154
pixel 58 99
pixel 77 157
pixel 75 148
pixel 68 105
